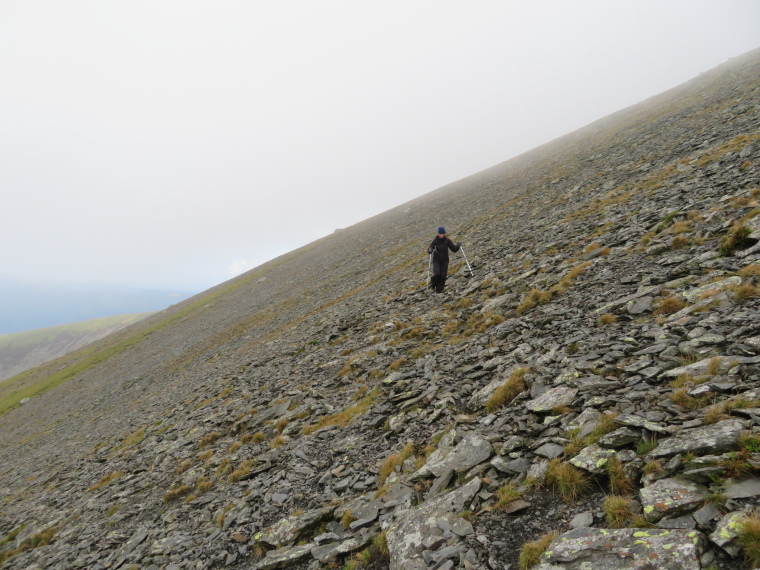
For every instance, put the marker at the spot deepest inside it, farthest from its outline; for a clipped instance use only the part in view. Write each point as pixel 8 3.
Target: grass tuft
pixel 750 271
pixel 617 510
pixel 619 481
pixel 534 298
pixel 242 471
pixel 381 543
pixel 679 242
pixel 745 292
pixel 208 439
pixel 345 417
pixel 531 552
pixel 607 319
pixel 735 239
pixel 388 467
pixel 749 540
pixel 506 495
pixel 507 392
pixel 569 481
pixel 669 305
pixel 177 492
pixel 682 398
pixel 347 519
pixel 106 480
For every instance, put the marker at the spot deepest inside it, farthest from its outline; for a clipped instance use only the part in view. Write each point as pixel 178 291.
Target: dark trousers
pixel 440 271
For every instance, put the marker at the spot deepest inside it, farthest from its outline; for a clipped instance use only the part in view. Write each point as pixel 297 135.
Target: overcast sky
pixel 174 144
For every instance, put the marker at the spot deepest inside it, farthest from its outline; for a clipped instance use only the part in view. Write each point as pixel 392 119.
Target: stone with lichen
pixel 727 532
pixel 616 549
pixel 671 497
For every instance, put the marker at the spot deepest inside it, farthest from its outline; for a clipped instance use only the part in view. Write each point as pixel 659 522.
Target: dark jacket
pixel 440 248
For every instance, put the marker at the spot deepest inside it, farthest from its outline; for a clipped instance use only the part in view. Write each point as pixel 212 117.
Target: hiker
pixel 439 249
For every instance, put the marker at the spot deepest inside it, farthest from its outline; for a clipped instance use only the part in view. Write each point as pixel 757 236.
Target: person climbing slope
pixel 439 249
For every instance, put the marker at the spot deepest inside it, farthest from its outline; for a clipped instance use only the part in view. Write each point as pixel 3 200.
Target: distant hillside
pixel 29 306
pixel 23 350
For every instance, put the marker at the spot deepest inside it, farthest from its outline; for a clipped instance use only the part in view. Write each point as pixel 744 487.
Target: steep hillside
pixel 24 350
pixel 597 376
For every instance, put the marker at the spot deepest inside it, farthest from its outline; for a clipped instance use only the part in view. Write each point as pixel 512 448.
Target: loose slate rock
pixel 554 398
pixel 742 489
pixel 608 549
pixel 620 438
pixel 582 520
pixel 639 422
pixel 715 438
pixel 727 531
pixel 471 451
pixel 284 557
pixel 410 527
pixel 705 365
pixel 593 459
pixel 695 294
pixel 671 497
pixel 550 450
pixel 286 531
pixel 639 305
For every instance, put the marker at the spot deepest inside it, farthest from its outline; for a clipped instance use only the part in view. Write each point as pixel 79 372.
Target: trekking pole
pixel 465 260
pixel 430 268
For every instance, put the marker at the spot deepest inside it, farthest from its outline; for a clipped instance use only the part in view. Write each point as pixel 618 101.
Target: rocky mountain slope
pixel 597 377
pixel 24 350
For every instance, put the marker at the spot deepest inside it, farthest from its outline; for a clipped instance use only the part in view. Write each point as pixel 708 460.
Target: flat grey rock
pixel 742 488
pixel 671 497
pixel 582 520
pixel 715 438
pixel 284 557
pixel 640 305
pixel 629 548
pixel 550 450
pixel 286 531
pixel 471 451
pixel 554 398
pixel 639 422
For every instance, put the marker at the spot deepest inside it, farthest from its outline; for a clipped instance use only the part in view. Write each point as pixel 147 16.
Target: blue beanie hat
pixel 441 230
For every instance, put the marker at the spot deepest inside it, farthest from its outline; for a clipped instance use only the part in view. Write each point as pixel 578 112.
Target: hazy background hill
pixel 22 350
pixel 30 306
